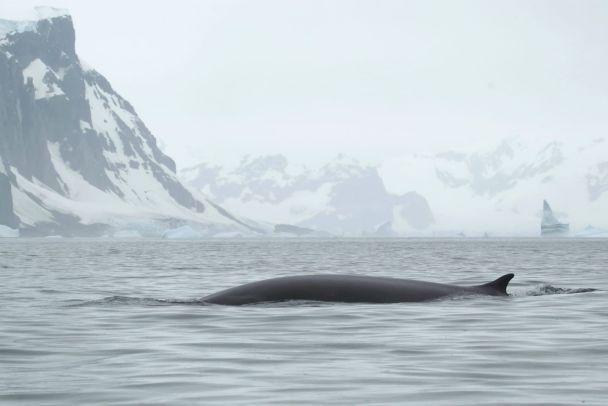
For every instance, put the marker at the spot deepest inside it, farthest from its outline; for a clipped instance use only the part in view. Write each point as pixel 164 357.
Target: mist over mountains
pixel 343 197
pixel 500 189
pixel 495 191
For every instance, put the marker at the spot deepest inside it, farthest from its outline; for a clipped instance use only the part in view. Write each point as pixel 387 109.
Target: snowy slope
pixel 343 197
pixel 76 157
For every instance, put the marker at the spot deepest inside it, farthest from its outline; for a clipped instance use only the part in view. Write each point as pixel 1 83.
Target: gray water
pixel 117 322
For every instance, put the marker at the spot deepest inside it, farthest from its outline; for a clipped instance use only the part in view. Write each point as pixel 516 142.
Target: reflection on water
pixel 119 322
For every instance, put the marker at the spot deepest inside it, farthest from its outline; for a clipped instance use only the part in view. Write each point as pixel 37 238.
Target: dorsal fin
pixel 500 284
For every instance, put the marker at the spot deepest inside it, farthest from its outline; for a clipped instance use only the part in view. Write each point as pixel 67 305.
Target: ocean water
pixel 118 322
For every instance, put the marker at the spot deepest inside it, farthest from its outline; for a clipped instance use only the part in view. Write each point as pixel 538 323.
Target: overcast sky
pixel 375 79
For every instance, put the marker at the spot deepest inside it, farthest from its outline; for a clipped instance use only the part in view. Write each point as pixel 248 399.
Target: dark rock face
pixel 21 145
pixel 7 215
pixel 50 102
pixel 415 210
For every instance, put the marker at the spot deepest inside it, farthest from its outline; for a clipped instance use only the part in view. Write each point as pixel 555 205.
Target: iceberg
pixel 550 225
pixel 7 232
pixel 182 233
pixel 592 232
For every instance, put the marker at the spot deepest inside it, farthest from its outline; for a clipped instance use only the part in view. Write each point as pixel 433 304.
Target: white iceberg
pixel 550 225
pixel 7 232
pixel 182 233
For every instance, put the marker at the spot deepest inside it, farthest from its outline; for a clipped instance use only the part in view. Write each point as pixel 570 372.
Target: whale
pixel 349 289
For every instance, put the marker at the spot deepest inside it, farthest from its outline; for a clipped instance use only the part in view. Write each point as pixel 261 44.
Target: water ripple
pixel 546 289
pixel 107 322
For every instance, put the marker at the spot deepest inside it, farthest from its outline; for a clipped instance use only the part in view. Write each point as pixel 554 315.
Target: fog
pixel 218 79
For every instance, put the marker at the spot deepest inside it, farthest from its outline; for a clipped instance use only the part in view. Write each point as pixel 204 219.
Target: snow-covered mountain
pixel 497 190
pixel 500 189
pixel 343 197
pixel 75 159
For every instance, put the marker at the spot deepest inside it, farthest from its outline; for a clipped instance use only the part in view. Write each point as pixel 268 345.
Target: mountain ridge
pixel 343 197
pixel 494 190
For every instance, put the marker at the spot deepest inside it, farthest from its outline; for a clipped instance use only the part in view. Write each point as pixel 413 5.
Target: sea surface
pixel 119 322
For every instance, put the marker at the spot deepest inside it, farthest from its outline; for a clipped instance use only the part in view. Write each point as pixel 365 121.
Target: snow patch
pixel 8 26
pixel 43 79
pixel 22 20
pixel 26 208
pixel 299 206
pixel 85 66
pixel 85 126
pixel 46 12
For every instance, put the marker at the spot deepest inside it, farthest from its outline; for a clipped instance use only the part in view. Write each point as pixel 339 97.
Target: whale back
pixel 349 288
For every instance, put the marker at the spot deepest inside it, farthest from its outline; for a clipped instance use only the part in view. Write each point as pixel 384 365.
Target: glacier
pixel 7 232
pixel 183 233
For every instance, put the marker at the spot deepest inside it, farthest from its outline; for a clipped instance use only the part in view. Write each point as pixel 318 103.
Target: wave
pixel 546 289
pixel 139 301
pixel 539 290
